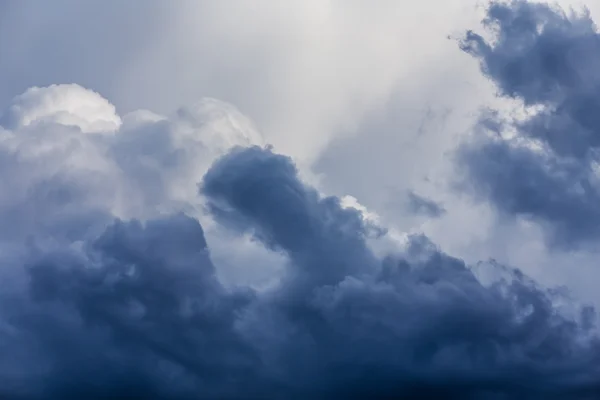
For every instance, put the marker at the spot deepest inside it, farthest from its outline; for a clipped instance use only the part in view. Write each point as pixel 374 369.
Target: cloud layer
pixel 100 305
pixel 131 246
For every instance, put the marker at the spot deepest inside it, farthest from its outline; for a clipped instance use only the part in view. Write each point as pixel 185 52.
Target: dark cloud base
pixel 137 312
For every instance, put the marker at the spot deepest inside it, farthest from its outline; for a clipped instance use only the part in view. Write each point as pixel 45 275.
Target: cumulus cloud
pixel 131 246
pixel 364 306
pixel 66 105
pixel 540 163
pixel 112 291
pixel 56 175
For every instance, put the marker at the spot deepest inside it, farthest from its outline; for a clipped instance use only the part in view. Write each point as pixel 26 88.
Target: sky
pixel 304 199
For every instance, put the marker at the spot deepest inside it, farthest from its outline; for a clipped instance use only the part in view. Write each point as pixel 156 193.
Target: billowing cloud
pixel 356 309
pixel 112 292
pixel 543 163
pixel 179 256
pixel 64 104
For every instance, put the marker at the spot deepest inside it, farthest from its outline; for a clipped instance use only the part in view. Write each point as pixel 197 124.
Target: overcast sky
pixel 215 199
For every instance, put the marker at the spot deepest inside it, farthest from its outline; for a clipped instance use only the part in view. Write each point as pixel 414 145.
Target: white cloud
pixel 69 105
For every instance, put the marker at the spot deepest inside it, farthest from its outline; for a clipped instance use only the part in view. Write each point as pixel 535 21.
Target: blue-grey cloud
pixel 548 60
pixel 420 205
pixel 95 305
pixel 136 311
pixel 420 324
pixel 262 189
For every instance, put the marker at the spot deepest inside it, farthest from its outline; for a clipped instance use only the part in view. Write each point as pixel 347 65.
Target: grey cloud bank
pixel 137 311
pixel 113 225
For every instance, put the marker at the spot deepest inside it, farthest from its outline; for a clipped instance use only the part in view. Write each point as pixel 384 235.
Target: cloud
pixel 367 307
pixel 421 205
pixel 58 177
pixel 262 191
pixel 136 309
pixel 65 104
pixel 67 313
pixel 540 163
pixel 52 133
pixel 118 231
pixel 142 301
pixel 255 54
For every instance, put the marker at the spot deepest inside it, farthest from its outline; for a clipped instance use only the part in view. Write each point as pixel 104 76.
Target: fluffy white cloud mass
pixel 366 208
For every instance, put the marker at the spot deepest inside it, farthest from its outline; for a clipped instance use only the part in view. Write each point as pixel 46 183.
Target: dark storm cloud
pixel 137 312
pixel 420 324
pixel 324 240
pixel 548 60
pixel 95 307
